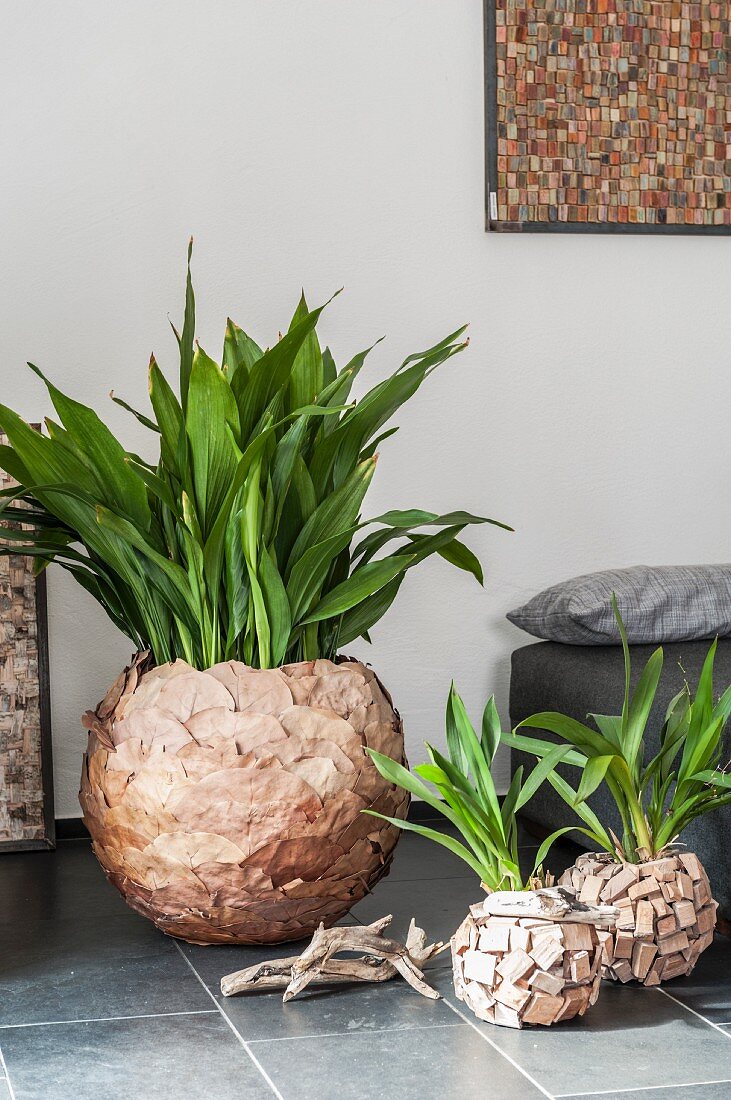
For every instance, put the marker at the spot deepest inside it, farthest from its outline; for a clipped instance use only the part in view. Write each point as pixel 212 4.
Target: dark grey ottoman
pixel 577 680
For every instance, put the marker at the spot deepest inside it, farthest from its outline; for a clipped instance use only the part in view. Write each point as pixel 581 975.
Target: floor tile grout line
pixel 4 1068
pixel 638 1088
pixel 355 1032
pixel 110 1019
pixel 687 1008
pixel 230 1024
pixel 501 1052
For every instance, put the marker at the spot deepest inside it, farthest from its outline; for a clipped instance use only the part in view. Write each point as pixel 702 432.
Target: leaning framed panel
pixel 26 769
pixel 608 116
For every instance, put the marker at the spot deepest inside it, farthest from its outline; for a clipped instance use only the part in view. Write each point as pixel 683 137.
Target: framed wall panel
pixel 608 116
pixel 26 769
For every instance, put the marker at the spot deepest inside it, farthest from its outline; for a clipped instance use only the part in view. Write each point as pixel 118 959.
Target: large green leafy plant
pixel 243 539
pixel 467 798
pixel 656 798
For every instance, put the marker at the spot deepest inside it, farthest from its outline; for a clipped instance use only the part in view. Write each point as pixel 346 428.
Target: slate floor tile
pixel 430 1064
pixel 213 961
pixel 416 856
pixel 80 985
pixel 716 1090
pixel 347 1009
pixel 708 988
pixel 318 1010
pixel 632 1038
pixel 70 949
pixel 166 1058
pixel 67 883
pixel 439 907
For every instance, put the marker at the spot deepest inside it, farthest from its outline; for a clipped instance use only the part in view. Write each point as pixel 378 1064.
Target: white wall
pixel 331 142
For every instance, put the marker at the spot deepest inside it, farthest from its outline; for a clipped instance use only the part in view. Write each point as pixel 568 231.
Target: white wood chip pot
pixel 533 957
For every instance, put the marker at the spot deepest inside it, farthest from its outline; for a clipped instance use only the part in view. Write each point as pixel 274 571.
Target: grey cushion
pixel 667 603
pixel 578 680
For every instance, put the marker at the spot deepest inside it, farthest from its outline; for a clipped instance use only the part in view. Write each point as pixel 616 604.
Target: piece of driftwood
pixel 384 959
pixel 666 913
pixel 550 903
pixel 532 957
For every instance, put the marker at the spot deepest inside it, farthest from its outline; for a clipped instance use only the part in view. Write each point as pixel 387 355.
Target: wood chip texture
pixel 543 981
pixel 21 739
pixel 225 805
pixel 667 913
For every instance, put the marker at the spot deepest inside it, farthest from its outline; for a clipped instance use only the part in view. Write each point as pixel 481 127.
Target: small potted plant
pixel 667 913
pixel 226 771
pixel 528 953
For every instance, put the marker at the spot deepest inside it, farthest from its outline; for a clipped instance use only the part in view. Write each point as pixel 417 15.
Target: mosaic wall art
pixel 608 115
pixel 26 774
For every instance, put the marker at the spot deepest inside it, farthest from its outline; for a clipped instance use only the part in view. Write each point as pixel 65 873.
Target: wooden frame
pixel 493 222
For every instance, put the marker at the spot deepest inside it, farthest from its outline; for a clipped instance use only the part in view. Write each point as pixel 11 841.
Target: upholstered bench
pixel 577 680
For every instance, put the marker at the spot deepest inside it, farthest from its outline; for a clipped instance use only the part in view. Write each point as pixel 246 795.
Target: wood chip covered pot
pixel 532 957
pixel 225 805
pixel 666 912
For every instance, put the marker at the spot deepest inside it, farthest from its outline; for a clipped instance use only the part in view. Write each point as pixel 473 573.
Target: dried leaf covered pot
pixel 530 957
pixel 666 913
pixel 225 805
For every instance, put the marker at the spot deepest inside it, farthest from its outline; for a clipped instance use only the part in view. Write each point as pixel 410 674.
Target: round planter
pixel 667 914
pixel 225 805
pixel 514 971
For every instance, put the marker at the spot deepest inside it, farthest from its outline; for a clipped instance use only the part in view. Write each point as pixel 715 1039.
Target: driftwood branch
pixel 383 959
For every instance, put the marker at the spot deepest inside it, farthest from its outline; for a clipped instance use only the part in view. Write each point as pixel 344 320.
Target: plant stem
pixel 639 821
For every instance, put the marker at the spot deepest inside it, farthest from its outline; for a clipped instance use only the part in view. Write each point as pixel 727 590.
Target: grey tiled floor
pixel 95 1003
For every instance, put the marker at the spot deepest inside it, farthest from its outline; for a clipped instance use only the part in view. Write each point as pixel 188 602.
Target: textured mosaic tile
pixel 611 112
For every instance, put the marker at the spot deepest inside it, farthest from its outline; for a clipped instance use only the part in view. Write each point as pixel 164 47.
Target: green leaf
pixel 270 373
pixel 416 517
pixel 144 420
pixel 551 840
pixel 337 511
pixel 168 414
pixel 444 839
pixel 308 575
pixel 277 606
pixel 610 727
pixel 357 622
pixel 459 555
pixel 466 752
pixel 537 747
pixel 584 811
pixel 240 352
pixel 594 773
pixel 576 733
pixel 539 774
pixel 715 778
pixel 211 424
pixel 357 588
pixel 639 709
pixel 491 730
pixel 117 485
pixel 188 335
pixel 627 662
pixel 401 777
pixel 307 377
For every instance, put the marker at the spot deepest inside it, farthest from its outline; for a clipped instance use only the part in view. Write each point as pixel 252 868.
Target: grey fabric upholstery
pixel 667 603
pixel 577 680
